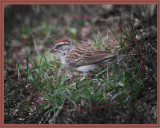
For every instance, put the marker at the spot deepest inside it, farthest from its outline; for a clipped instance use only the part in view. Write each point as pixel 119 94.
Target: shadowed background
pixel 18 18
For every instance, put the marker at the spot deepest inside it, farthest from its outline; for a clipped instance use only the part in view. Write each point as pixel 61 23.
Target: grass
pixel 49 79
pixel 97 38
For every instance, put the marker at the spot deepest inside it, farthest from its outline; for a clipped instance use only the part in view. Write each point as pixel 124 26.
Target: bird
pixel 81 58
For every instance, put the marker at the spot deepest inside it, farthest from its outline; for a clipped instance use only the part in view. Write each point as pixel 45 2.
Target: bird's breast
pixel 63 60
pixel 86 68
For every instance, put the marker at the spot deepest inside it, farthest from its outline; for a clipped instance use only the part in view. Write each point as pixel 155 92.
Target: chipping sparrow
pixel 81 59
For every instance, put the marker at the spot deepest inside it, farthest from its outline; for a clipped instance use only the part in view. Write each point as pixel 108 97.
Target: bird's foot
pixel 84 76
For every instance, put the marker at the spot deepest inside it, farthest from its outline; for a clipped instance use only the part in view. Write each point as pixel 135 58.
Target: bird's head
pixel 59 44
pixel 62 47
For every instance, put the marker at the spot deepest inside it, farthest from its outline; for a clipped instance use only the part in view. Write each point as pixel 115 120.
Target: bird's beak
pixel 53 49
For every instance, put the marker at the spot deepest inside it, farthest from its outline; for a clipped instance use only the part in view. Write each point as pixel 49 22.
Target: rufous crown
pixel 61 40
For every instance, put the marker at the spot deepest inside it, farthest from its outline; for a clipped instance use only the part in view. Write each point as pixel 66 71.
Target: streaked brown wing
pixel 87 57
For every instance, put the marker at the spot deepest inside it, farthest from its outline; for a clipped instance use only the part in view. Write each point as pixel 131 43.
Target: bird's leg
pixel 84 75
pixel 68 77
pixel 66 71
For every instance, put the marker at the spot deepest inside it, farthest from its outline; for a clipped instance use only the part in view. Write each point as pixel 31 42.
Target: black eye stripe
pixel 62 44
pixel 59 46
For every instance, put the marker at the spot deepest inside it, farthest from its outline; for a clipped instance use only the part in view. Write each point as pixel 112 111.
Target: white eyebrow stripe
pixel 63 43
